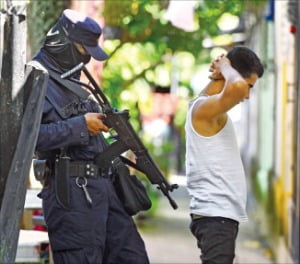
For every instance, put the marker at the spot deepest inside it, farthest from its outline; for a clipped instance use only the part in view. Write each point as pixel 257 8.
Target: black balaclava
pixel 62 50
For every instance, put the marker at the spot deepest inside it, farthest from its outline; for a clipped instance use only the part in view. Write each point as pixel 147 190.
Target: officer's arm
pixel 235 90
pixel 69 132
pixel 72 131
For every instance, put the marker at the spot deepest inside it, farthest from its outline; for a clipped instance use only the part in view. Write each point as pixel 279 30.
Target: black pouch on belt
pixel 62 188
pixel 132 193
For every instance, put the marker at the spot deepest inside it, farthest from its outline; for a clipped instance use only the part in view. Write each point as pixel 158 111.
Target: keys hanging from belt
pixel 83 186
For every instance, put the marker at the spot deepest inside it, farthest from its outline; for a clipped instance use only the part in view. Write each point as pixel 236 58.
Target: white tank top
pixel 215 174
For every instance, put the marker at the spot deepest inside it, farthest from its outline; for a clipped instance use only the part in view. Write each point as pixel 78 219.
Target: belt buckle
pixel 90 170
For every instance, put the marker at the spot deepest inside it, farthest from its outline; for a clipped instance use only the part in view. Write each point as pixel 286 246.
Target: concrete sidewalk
pixel 168 239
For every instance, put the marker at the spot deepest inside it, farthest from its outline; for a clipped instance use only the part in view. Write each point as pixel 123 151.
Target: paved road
pixel 169 241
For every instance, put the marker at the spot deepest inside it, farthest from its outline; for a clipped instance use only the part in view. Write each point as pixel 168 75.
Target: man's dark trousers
pixel 216 238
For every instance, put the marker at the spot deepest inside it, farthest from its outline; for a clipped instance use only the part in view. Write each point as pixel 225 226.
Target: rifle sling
pixel 72 86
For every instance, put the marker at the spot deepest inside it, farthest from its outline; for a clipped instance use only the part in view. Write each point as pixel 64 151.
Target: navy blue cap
pixel 83 30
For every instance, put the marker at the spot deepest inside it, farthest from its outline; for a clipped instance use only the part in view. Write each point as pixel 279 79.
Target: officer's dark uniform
pixel 96 231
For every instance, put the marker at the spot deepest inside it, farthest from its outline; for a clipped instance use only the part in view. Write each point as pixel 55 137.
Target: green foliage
pixel 144 21
pixel 41 15
pixel 148 42
pixel 160 154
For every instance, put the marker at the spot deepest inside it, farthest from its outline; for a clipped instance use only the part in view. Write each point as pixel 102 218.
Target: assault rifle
pixel 125 137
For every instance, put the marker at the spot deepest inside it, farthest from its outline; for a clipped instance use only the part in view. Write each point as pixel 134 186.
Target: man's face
pixel 251 81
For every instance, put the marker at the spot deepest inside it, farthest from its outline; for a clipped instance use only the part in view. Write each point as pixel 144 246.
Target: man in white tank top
pixel 215 174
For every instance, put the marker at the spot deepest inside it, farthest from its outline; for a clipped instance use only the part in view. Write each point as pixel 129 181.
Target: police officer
pixel 85 219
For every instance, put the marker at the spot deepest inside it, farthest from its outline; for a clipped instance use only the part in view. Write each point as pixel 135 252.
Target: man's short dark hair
pixel 245 61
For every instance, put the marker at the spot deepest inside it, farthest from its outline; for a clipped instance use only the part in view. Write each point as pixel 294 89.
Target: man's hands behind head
pixel 216 67
pixel 94 123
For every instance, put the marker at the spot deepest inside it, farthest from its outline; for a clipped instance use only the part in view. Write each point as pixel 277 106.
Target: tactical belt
pixel 87 169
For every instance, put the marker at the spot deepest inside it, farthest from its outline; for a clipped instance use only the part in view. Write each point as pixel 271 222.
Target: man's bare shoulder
pixel 203 107
pixel 202 121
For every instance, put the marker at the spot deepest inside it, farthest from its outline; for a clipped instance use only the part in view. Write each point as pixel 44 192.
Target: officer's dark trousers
pixel 101 233
pixel 216 239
